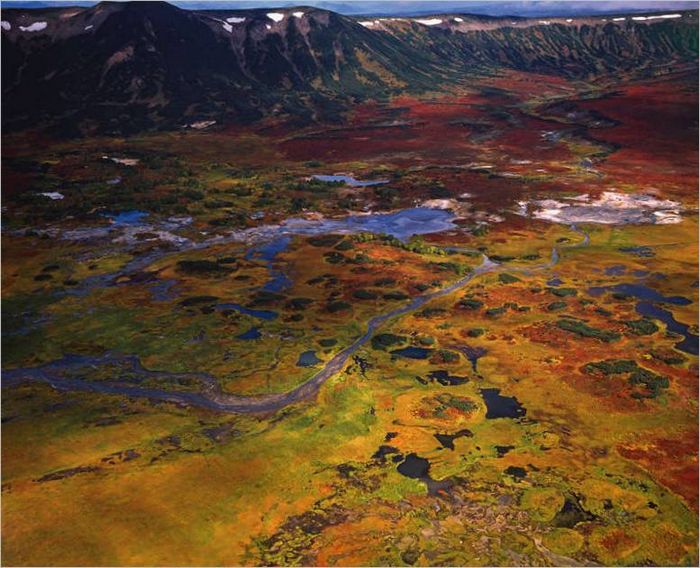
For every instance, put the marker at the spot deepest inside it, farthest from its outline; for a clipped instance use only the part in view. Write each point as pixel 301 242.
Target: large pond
pixel 641 292
pixel 646 306
pixel 401 224
pixel 689 344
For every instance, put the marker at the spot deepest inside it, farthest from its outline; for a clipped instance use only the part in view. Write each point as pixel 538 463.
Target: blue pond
pixel 473 354
pixel 268 252
pixel 349 180
pixel 641 292
pixel 400 224
pixel 498 406
pixel 413 352
pixel 646 307
pixel 308 359
pixel 690 342
pixel 252 333
pixel 126 218
pixel 261 314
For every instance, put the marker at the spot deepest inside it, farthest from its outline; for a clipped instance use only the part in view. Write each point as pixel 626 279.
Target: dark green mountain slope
pixel 127 67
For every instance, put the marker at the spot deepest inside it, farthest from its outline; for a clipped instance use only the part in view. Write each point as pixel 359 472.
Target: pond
pixel 401 224
pixel 252 333
pixel 308 359
pixel 444 378
pixel 126 218
pixel 414 467
pixel 473 354
pixel 349 180
pixel 267 315
pixel 690 341
pixel 447 440
pixel 413 352
pixel 268 252
pixel 498 406
pixel 641 292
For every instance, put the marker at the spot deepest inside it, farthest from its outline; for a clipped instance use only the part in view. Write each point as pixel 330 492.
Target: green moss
pixel 325 240
pixel 456 268
pixel 445 356
pixel 542 503
pixel 611 367
pixel 642 326
pixel 508 279
pixel 494 312
pixel 649 380
pixel 470 304
pixel 299 303
pixel 431 313
pixel 344 246
pixel 386 340
pixel 563 541
pixel 562 292
pixel 668 356
pixel 362 294
pixel 638 376
pixel 583 330
pixel 205 268
pixel 460 403
pixel 339 306
pixel 395 295
pixel 334 257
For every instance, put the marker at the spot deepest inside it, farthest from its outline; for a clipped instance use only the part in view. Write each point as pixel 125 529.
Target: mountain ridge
pixel 125 67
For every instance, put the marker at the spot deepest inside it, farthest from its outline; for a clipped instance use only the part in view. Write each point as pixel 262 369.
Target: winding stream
pixel 211 396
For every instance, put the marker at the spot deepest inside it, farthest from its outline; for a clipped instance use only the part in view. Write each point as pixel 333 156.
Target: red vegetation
pixel 673 462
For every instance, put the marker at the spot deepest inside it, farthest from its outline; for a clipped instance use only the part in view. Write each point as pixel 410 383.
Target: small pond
pixel 267 315
pixel 308 359
pixel 413 352
pixel 252 333
pixel 414 467
pixel 127 218
pixel 498 406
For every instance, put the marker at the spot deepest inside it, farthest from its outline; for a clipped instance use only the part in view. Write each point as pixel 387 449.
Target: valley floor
pixel 215 354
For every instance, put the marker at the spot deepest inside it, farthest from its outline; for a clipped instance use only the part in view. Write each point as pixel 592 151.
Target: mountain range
pixel 525 8
pixel 126 67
